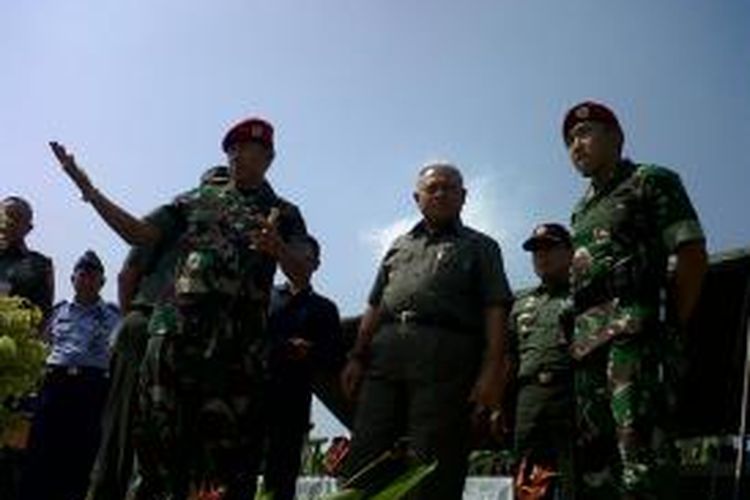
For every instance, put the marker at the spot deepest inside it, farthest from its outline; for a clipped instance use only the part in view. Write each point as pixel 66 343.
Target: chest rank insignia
pixel 545 377
pixel 525 322
pixel 581 260
pixel 601 235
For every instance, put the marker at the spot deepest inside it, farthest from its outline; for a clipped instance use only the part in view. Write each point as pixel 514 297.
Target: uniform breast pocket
pixel 452 265
pixel 525 322
pixel 62 328
pixel 624 214
pixel 400 265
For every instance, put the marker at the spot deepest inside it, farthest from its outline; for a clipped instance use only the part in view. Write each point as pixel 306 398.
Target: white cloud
pixel 380 239
pixel 494 205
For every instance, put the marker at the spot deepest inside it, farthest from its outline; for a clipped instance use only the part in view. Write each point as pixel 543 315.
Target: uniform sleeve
pixel 113 318
pixel 672 210
pixel 48 330
pixel 512 332
pixel 292 227
pixel 169 219
pixel 38 285
pixel 381 279
pixel 139 257
pixel 166 218
pixel 48 286
pixel 494 287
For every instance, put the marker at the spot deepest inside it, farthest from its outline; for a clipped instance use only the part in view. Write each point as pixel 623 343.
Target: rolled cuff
pixel 682 232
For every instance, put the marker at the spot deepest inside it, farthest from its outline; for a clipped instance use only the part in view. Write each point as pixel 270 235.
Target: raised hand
pixel 266 237
pixel 70 167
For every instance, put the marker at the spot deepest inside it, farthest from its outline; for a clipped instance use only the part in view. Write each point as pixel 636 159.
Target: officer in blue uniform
pixel 65 433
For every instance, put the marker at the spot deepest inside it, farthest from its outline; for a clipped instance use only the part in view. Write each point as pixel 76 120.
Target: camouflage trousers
pixel 198 421
pixel 622 448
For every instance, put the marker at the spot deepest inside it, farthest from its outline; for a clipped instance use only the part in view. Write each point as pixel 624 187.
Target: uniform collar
pixel 94 305
pixel 20 250
pixel 454 229
pixel 555 290
pixel 263 190
pixel 623 170
pixel 286 290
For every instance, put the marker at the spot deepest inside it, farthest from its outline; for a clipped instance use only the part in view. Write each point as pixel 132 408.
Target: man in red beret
pixel 630 220
pixel 200 406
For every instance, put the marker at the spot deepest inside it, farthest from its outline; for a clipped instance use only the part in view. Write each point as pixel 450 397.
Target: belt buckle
pixel 73 371
pixel 405 317
pixel 544 377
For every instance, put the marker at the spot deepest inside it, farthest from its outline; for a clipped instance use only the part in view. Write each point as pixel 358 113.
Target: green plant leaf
pixel 348 494
pixel 406 482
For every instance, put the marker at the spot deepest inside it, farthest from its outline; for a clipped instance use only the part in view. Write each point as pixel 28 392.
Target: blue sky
pixel 362 93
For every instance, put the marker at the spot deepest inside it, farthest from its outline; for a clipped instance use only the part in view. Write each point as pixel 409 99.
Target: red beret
pixel 589 111
pixel 252 129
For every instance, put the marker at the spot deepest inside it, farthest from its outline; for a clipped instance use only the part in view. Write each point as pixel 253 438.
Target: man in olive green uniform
pixel 431 343
pixel 632 218
pixel 146 275
pixel 23 272
pixel 200 400
pixel 544 402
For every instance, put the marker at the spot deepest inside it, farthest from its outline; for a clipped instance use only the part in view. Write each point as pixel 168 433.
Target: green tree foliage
pixel 22 354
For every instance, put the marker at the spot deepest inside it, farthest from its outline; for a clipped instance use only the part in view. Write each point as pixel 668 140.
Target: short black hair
pixel 25 205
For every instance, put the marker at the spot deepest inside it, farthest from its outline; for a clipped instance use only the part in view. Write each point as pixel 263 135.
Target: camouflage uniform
pixel 113 470
pixel 623 235
pixel 544 405
pixel 432 290
pixel 201 379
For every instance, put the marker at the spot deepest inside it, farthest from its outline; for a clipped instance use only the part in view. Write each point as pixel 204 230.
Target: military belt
pixel 144 308
pixel 545 378
pixel 411 317
pixel 60 372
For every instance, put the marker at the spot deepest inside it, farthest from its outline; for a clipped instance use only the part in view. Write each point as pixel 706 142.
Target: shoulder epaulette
pixel 112 307
pixel 59 305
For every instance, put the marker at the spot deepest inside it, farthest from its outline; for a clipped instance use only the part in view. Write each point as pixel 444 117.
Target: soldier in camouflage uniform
pixel 628 223
pixel 146 275
pixel 200 399
pixel 544 403
pixel 431 344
